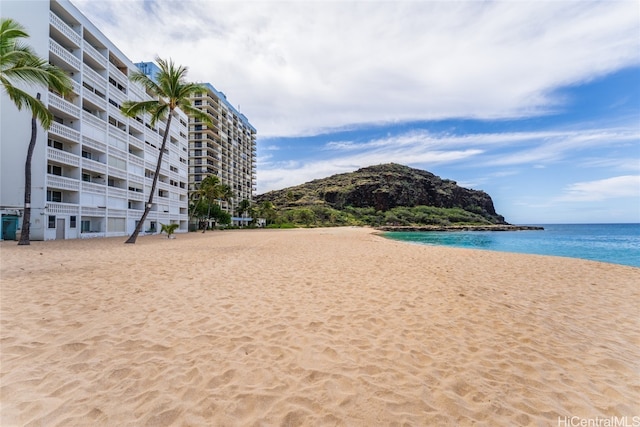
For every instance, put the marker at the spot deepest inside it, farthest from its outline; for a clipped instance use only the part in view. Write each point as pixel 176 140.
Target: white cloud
pixel 297 68
pixel 603 189
pixel 498 154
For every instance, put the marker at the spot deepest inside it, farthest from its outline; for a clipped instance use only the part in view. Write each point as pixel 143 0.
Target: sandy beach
pixel 311 327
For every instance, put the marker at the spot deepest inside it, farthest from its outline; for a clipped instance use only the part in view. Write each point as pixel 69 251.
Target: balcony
pixel 64 54
pixel 65 132
pixel 95 99
pixel 88 187
pixel 117 192
pixel 61 208
pixel 135 160
pixel 62 183
pixel 95 55
pixel 94 166
pixel 118 75
pixel 117 173
pixel 97 212
pixel 93 78
pixel 63 157
pixel 63 105
pixel 64 29
pixel 92 143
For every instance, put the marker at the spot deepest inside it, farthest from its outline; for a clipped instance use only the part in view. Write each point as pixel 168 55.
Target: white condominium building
pixel 92 171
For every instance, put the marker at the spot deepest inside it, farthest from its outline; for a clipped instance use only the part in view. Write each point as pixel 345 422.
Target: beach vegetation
pixel 169 229
pixel 172 92
pixel 20 66
pixel 388 194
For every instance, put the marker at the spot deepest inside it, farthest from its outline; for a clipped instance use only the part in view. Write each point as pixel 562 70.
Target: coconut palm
pixel 19 64
pixel 169 229
pixel 173 92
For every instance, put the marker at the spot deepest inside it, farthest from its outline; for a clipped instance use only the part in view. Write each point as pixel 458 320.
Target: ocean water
pixel 613 243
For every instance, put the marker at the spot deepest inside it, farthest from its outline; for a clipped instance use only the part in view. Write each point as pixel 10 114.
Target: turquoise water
pixel 614 243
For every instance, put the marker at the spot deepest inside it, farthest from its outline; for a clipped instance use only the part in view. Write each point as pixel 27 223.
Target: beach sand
pixel 311 327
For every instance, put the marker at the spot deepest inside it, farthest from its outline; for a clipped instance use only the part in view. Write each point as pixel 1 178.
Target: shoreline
pixel 496 227
pixel 333 326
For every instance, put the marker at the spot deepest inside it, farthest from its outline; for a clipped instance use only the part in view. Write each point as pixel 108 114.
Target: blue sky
pixel 536 103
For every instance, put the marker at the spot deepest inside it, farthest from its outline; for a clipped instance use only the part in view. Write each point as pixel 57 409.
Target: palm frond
pixel 136 108
pixel 22 99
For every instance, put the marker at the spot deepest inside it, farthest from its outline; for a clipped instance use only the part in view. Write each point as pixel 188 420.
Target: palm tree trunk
pixel 26 215
pixel 147 208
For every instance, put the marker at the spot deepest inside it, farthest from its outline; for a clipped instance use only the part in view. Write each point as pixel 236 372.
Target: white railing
pixel 94 166
pixel 61 208
pixel 117 95
pixel 117 212
pixel 93 52
pixel 118 134
pixel 65 132
pixel 136 143
pixel 94 120
pixel 100 102
pixel 90 142
pixel 63 105
pixel 64 54
pixel 118 192
pixel 137 126
pixel 137 93
pixel 117 75
pixel 136 160
pixel 87 211
pixel 134 195
pixel 117 173
pixel 63 157
pixel 94 188
pixel 63 183
pixel 60 25
pixel 95 79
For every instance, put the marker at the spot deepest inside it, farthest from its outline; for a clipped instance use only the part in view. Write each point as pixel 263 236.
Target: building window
pixel 72 221
pixel 85 226
pixel 54 170
pixel 55 144
pixel 52 221
pixel 86 154
pixel 54 196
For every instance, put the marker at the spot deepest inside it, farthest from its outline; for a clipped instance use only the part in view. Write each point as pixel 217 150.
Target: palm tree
pixel 210 189
pixel 169 229
pixel 19 63
pixel 173 92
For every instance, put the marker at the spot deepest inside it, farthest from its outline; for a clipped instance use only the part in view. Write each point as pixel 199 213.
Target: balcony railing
pixel 98 212
pixel 117 192
pixel 61 208
pixel 93 78
pixel 64 54
pixel 93 52
pixel 90 142
pixel 117 75
pixel 63 105
pixel 92 165
pixel 117 173
pixel 63 183
pixel 63 157
pixel 95 99
pixel 65 132
pixel 59 25
pixel 94 188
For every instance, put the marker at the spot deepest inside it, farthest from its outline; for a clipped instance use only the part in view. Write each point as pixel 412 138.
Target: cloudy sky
pixel 535 102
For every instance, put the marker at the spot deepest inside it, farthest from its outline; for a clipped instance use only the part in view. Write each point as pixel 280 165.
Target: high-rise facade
pixel 226 150
pixel 92 171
